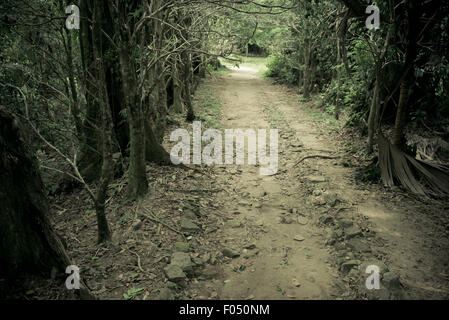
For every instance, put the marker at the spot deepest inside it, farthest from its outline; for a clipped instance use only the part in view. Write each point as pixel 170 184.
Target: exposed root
pixel 316 156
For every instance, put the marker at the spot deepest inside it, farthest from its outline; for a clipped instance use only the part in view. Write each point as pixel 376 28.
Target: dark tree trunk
pixel 401 113
pixel 104 234
pixel 187 86
pixel 90 151
pixel 342 58
pixel 407 77
pixel 90 162
pixel 178 105
pixel 28 243
pixel 137 178
pixel 154 152
pixel 307 82
pixel 203 65
pixel 374 112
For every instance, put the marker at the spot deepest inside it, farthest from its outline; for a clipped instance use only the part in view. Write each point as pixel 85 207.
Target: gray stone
pixel 287 220
pixel 315 179
pixel 358 245
pixel 348 265
pixel 331 199
pixel 337 233
pixel 182 260
pixel 174 273
pixel 353 273
pixel 189 214
pixel 211 272
pixel 181 247
pixel 326 219
pixel 171 285
pixel 227 252
pixel 165 294
pixel 188 226
pixel 391 281
pixel 318 201
pixel 345 223
pixel 352 232
pixel 302 220
pixel 206 257
pixel 198 261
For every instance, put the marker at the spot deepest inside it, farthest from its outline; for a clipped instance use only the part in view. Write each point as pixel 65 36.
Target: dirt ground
pixel 307 232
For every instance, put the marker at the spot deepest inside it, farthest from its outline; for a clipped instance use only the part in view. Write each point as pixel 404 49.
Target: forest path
pixel 295 229
pixel 289 259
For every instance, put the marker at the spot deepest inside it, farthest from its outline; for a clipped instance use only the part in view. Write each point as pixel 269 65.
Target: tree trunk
pixel 307 70
pixel 187 91
pixel 407 78
pixel 373 114
pixel 401 113
pixel 342 58
pixel 74 107
pixel 137 178
pixel 104 234
pixel 337 97
pixel 178 105
pixel 154 152
pixel 203 65
pixel 28 243
pixel 90 159
pixel 126 43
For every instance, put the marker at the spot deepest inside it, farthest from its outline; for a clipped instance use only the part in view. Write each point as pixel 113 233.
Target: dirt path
pixel 339 227
pixel 262 201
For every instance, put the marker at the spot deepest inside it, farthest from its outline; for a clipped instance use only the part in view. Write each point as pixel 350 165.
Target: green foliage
pixel 132 293
pixel 282 69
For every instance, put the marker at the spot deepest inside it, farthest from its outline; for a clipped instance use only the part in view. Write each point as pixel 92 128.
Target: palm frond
pixel 419 177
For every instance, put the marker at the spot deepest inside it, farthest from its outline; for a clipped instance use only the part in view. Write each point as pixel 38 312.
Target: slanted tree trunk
pixel 28 243
pixel 401 113
pixel 373 114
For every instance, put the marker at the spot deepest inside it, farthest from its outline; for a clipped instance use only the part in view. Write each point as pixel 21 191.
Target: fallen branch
pixel 138 260
pixel 316 156
pixel 154 218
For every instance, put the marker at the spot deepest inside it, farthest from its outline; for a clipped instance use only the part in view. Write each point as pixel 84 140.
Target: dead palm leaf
pixel 418 176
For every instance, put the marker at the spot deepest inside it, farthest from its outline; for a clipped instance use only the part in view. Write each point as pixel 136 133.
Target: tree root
pixel 316 156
